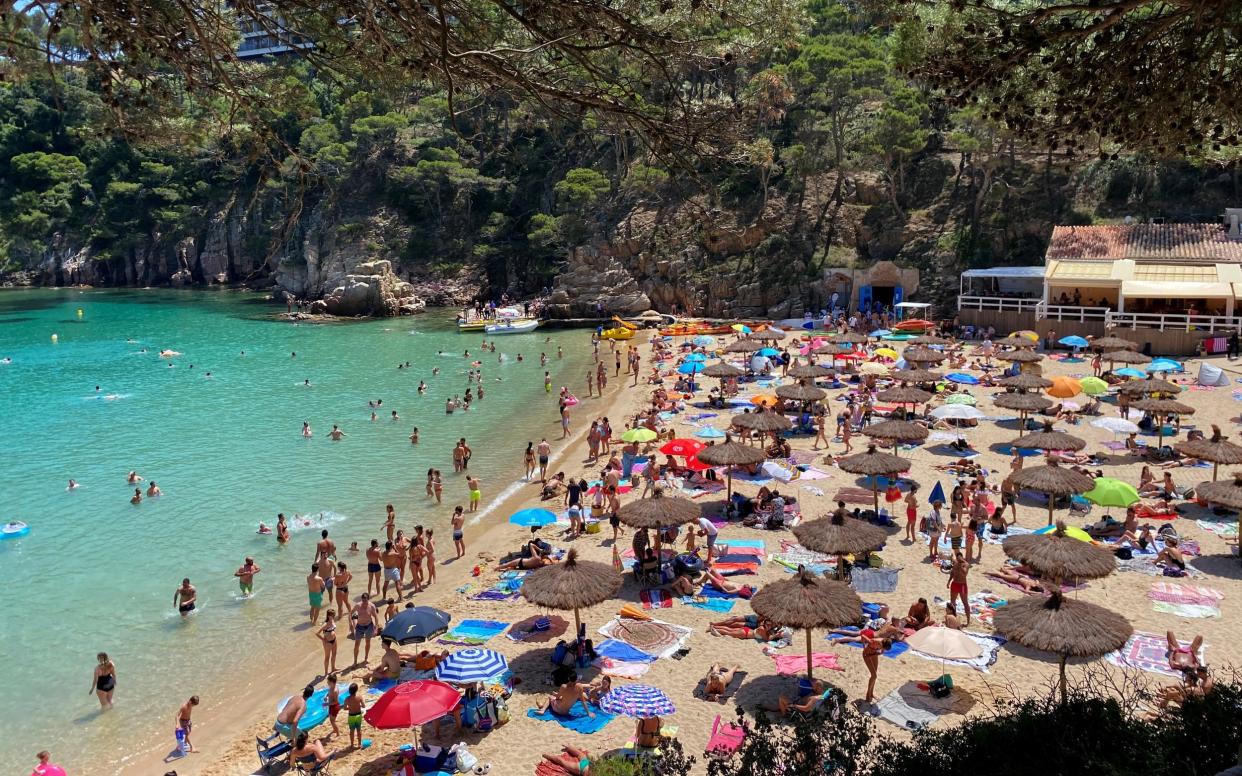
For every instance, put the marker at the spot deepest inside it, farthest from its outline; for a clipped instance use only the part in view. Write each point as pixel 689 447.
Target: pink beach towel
pixel 1196 595
pixel 1148 652
pixel 788 665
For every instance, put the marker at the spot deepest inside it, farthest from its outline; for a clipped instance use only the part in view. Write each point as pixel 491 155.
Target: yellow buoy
pixel 55 337
pixel 81 312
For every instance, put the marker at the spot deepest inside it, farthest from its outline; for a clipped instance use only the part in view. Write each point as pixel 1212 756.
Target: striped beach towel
pixel 656 599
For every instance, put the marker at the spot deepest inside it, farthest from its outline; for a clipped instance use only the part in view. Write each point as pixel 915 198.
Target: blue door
pixel 864 299
pixel 898 297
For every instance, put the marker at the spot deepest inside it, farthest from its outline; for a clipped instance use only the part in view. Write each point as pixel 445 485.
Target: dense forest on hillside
pixel 830 151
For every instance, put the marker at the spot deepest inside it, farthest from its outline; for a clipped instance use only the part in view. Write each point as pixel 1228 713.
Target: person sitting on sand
pixel 1171 556
pixel 919 615
pixel 307 753
pixel 573 760
pixel 950 617
pixel 1196 683
pixel 805 705
pixel 390 664
pixel 567 694
pixel 598 688
pixel 1181 658
pixel 1027 584
pixel 718 680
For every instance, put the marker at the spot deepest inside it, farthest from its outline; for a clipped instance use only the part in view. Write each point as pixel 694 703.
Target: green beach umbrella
pixel 1112 492
pixel 960 398
pixel 639 435
pixel 1093 386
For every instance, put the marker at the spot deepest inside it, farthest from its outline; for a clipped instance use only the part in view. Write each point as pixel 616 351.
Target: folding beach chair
pixel 725 739
pixel 271 749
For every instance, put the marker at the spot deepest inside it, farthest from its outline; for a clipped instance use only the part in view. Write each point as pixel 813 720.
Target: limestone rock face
pixel 596 282
pixel 372 289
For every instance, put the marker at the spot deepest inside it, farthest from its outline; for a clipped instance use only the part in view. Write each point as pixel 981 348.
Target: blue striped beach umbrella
pixel 691 367
pixel 471 665
pixel 696 357
pixel 532 517
pixel 637 700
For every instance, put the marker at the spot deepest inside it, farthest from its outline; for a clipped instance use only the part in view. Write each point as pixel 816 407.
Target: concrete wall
pixel 1163 343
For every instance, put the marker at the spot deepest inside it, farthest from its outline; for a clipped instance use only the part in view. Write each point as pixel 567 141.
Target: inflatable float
pixel 619 333
pixel 14 530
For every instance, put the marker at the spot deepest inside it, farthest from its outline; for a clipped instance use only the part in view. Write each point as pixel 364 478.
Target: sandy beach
pixel 225 729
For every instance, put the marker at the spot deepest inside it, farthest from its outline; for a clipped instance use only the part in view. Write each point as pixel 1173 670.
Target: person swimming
pixel 72 485
pixel 306 382
pixel 264 530
pixel 306 429
pixel 422 387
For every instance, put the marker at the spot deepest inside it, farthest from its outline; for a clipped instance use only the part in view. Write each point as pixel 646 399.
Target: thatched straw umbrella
pixel 572 585
pixel 840 536
pixel 929 339
pixel 1053 481
pixel 919 355
pixel 1161 407
pixel 808 602
pixel 659 511
pixel 1014 342
pixel 1058 556
pixel 917 376
pixel 851 337
pixel 904 394
pixel 743 345
pixel 1124 357
pixel 1049 440
pixel 1112 343
pixel 1025 382
pixel 729 454
pixel 1024 403
pixel 1151 385
pixel 809 371
pixel 896 431
pixel 1227 493
pixel 762 421
pixel 874 464
pixel 1021 356
pixel 722 370
pixel 768 335
pixel 1216 450
pixel 801 393
pixel 1062 626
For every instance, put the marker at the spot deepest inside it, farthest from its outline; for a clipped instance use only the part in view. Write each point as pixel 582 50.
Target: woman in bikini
pixel 572 759
pixel 872 649
pixel 431 476
pixel 429 545
pixel 1014 578
pixel 327 634
pixel 417 552
pixel 1181 658
pixel 103 682
pixel 340 584
pixel 647 732
pixel 718 680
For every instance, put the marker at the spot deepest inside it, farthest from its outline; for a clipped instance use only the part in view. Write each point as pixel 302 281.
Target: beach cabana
pixel 572 585
pixel 808 602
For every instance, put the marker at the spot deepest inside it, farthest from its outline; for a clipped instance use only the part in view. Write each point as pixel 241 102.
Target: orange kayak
pixel 914 324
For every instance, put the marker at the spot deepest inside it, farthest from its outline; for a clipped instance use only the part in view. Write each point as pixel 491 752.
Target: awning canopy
pixel 1175 290
pixel 1089 273
pixel 1005 272
pixel 914 305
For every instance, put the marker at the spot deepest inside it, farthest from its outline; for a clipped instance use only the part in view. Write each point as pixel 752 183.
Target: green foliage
pixel 581 188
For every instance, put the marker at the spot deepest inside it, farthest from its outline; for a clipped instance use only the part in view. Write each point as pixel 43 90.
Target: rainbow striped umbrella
pixel 641 701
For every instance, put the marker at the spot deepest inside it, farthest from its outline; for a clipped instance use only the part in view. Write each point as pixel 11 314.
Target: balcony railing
pixel 1003 304
pixel 1063 312
pixel 1164 322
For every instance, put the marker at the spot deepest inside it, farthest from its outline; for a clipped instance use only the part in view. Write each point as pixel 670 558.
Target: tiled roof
pixel 1145 242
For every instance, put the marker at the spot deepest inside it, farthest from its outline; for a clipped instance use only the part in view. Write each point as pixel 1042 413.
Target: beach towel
pixel 814 491
pixel 740 558
pixel 1146 564
pixel 710 592
pixel 656 599
pixel 1148 652
pixel 811 473
pixel 853 495
pixel 867 580
pixel 1013 530
pixel 759 544
pixel 526 632
pixel 898 648
pixel 546 768
pixel 577 720
pixel 408 674
pixel 910 708
pixel 473 632
pixel 790 665
pixel 990 643
pixel 494 594
pixel 1225 529
pixel 741 554
pixel 654 637
pixel 730 688
pixel 1115 446
pixel 1185 610
pixel 729 569
pixel 621 669
pixel 710 604
pixel 619 650
pixel 1174 593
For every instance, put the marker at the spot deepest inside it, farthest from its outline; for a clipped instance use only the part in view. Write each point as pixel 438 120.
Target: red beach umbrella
pixel 695 465
pixel 411 704
pixel 682 447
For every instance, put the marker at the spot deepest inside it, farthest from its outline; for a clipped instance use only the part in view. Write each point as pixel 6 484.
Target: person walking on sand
pixel 245 577
pixel 103 682
pixel 912 512
pixel 564 421
pixel 373 567
pixel 459 536
pixel 544 451
pixel 363 619
pixel 184 724
pixel 958 588
pixel 315 588
pixel 185 597
pixel 528 458
pixel 934 523
pixel 472 484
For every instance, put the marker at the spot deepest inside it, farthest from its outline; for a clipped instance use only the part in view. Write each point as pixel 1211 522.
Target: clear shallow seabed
pixel 98 574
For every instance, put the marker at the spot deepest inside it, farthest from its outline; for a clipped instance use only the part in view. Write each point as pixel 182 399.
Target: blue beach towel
pixel 474 632
pixel 577 721
pixel 744 543
pixel 710 604
pixel 897 649
pixel 619 650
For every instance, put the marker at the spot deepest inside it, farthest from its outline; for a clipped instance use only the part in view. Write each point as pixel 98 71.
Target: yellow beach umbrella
pixel 1026 334
pixel 886 353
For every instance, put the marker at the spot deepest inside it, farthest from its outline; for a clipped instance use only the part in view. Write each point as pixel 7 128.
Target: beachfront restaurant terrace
pixel 1177 283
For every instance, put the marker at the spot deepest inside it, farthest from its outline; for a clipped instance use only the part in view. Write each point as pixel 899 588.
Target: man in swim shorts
pixel 363 617
pixel 544 450
pixel 245 577
pixel 184 597
pixel 476 495
pixel 183 720
pixel 392 558
pixel 292 712
pixel 459 520
pixel 315 588
pixel 373 566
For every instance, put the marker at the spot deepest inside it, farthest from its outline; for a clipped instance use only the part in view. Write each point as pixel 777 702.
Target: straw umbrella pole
pixel 839 536
pixel 659 511
pixel 807 602
pixel 874 464
pixel 1216 450
pixel 1059 556
pixel 729 454
pixel 1160 407
pixel 1053 481
pixel 572 585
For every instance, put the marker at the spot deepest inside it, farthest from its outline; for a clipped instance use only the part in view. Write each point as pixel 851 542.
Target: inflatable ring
pixel 14 530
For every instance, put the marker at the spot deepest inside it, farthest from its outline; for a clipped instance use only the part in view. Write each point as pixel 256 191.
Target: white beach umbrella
pixel 1116 425
pixel 958 412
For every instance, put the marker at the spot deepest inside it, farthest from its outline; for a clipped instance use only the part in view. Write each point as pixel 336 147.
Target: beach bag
pixel 502 709
pixel 465 759
pixel 1172 572
pixel 487 715
pixel 1124 553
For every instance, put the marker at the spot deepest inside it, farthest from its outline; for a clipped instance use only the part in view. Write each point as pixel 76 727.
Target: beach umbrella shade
pixel 696 357
pixel 1226 493
pixel 1025 382
pixel 762 421
pixel 929 339
pixel 1112 492
pixel 839 536
pixel 945 643
pixel 809 371
pixel 722 370
pixel 694 464
pixel 703 340
pixel 880 333
pixel 917 376
pixel 1104 344
pixel 957 412
pixel 896 431
pixel 1161 407
pixel 808 602
pixel 708 432
pixel 1074 341
pixel 744 345
pixel 691 367
pixel 1070 531
pixel 729 454
pixel 1137 374
pixel 874 464
pixel 1048 439
pixel 533 517
pixel 1215 449
pixel 417 625
pixel 1021 356
pixel 851 337
pixel 740 327
pixel 832 349
pixel 937 494
pixel 904 395
pixel 1065 387
pixel 1125 357
pixel 1015 342
pixel 767 352
pixel 921 355
pixel 874 368
pixel 659 511
pixel 1151 385
pixel 1027 335
pixel 639 435
pixel 572 585
pixel 472 664
pixel 801 393
pixel 962 378
pixel 1062 626
pixel 961 398
pixel 1093 386
pixel 411 704
pixel 681 447
pixel 1024 403
pixel 885 353
pixel 1164 365
pixel 1116 425
pixel 1052 480
pixel 764 400
pixel 768 335
pixel 641 701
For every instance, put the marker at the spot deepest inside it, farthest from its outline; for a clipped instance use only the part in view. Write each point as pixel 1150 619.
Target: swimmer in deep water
pixel 394 415
pixel 306 382
pixel 414 436
pixel 373 417
pixel 435 370
pixel 282 529
pixel 306 430
pixel 133 477
pixel 335 434
pixel 96 389
pixel 6 360
pixel 72 485
pixel 264 530
pixel 422 387
pixel 153 490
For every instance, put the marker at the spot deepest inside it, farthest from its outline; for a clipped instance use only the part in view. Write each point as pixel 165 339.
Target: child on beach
pixel 334 703
pixel 353 715
pixel 459 540
pixel 390 611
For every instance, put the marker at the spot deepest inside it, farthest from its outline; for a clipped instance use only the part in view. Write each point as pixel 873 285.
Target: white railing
pixel 1163 322
pixel 997 303
pixel 1062 312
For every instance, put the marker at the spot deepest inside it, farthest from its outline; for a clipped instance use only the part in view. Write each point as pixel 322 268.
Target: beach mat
pixel 655 637
pixel 721 605
pixel 789 665
pixel 868 580
pixel 912 708
pixel 730 689
pixel 1148 652
pixel 619 650
pixel 656 598
pixel 577 721
pixel 525 632
pixel 1174 593
pixel 854 496
pixel 473 632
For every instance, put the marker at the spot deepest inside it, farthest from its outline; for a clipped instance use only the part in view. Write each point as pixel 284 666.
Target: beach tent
pixel 1210 374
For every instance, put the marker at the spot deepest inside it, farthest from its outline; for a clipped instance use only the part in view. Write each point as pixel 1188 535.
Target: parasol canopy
pixel 1112 492
pixel 1151 385
pixel 1065 387
pixel 1093 386
pixel 1025 382
pixel 533 516
pixel 722 370
pixel 874 464
pixel 1116 425
pixel 839 536
pixel 417 625
pixel 659 511
pixel 1021 356
pixel 768 335
pixel 1125 357
pixel 472 664
pixel 681 447
pixel 930 339
pixel 945 643
pixel 801 393
pixel 808 602
pixel 805 371
pixel 1058 556
pixel 764 422
pixel 1048 439
pixel 1113 343
pixel 921 355
pixel 641 701
pixel 1162 407
pixel 1052 480
pixel 917 376
pixel 411 704
pixel 571 585
pixel 904 395
pixel 1216 450
pixel 744 345
pixel 1022 402
pixel 1226 493
pixel 639 435
pixel 957 412
pixel 729 453
pixel 1015 342
pixel 894 431
pixel 851 337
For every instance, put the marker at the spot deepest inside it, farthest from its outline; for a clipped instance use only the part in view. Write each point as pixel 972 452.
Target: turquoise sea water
pixel 97 573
